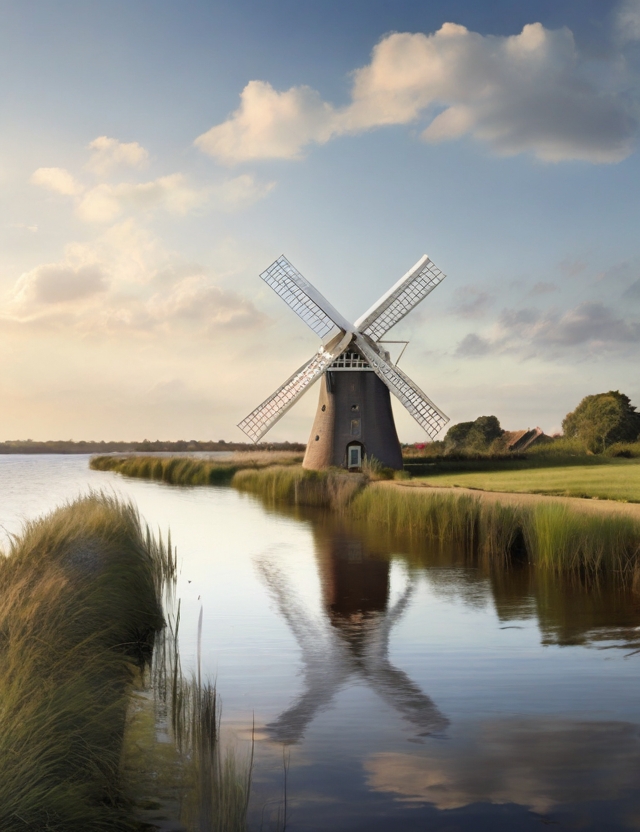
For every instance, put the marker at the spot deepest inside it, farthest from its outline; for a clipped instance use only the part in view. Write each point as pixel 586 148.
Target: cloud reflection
pixel 535 762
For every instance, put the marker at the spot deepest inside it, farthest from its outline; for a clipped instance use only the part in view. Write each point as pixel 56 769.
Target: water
pixel 401 688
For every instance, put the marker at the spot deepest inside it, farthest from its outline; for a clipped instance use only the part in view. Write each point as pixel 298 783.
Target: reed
pixel 189 470
pixel 297 486
pixel 81 604
pixel 175 762
pixel 550 536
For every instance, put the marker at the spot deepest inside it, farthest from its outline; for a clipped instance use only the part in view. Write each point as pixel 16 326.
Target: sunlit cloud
pixel 109 154
pixel 527 93
pixel 127 282
pixel 173 193
pixel 58 180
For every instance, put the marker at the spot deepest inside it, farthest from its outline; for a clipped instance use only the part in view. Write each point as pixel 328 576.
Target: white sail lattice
pixel 316 311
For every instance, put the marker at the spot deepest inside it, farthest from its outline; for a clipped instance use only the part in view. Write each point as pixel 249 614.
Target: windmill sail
pixel 407 293
pixel 305 300
pixel 264 417
pixel 419 405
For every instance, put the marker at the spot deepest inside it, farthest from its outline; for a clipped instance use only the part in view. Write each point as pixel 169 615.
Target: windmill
pixel 354 417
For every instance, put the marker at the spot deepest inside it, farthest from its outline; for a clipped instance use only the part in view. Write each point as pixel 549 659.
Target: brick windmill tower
pixel 354 419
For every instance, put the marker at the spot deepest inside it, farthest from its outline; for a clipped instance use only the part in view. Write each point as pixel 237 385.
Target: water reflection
pixel 350 642
pixel 540 763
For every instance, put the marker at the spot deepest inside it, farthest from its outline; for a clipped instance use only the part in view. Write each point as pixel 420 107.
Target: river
pixel 401 688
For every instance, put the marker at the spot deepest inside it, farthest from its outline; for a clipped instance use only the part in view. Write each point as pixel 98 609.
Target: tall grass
pixel 80 607
pixel 184 470
pixel 84 596
pixel 550 536
pixel 332 488
pixel 175 761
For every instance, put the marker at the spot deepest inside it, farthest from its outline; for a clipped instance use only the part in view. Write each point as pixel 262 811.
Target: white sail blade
pixel 419 405
pixel 264 417
pixel 305 300
pixel 401 298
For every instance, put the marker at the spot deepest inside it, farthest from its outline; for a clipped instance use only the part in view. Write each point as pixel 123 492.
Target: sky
pixel 156 156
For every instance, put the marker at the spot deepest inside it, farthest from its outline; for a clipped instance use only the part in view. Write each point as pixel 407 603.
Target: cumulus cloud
pixel 527 93
pixel 591 327
pixel 109 154
pixel 58 180
pixel 172 193
pixel 106 202
pixel 270 124
pixel 197 299
pixel 57 283
pixel 126 282
pixel 239 192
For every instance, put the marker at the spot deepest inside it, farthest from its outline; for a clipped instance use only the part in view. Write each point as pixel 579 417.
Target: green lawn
pixel 619 480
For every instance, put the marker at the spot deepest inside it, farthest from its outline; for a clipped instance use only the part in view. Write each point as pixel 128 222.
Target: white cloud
pixel 172 193
pixel 126 282
pixel 530 92
pixel 197 299
pixel 109 154
pixel 106 202
pixel 58 180
pixel 270 125
pixel 239 192
pixel 628 20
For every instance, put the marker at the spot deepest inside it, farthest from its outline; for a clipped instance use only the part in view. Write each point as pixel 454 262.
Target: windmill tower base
pixel 354 421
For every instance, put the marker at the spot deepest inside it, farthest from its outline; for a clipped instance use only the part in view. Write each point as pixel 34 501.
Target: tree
pixel 602 419
pixel 473 436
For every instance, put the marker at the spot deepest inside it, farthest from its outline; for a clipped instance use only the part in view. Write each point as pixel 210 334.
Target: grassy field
pixel 617 479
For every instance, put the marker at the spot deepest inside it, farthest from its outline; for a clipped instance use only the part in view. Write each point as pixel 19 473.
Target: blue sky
pixel 156 156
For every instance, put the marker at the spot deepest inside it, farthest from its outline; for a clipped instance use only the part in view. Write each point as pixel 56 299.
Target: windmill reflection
pixel 351 642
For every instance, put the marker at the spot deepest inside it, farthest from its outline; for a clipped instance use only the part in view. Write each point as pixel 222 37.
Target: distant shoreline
pixel 182 446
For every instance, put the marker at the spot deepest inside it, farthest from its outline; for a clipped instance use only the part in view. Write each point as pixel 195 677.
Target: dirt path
pixel 514 498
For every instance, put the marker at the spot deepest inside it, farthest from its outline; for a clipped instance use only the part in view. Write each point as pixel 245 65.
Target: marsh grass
pixel 90 677
pixel 189 470
pixel 550 537
pixel 81 605
pixel 293 485
pixel 177 765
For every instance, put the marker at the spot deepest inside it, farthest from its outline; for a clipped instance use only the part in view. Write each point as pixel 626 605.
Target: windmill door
pixel 354 457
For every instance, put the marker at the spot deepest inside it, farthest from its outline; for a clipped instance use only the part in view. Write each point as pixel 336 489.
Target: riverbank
pixel 549 533
pixel 183 470
pixel 99 727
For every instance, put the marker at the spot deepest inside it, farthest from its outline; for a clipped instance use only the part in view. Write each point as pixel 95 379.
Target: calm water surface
pixel 406 690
